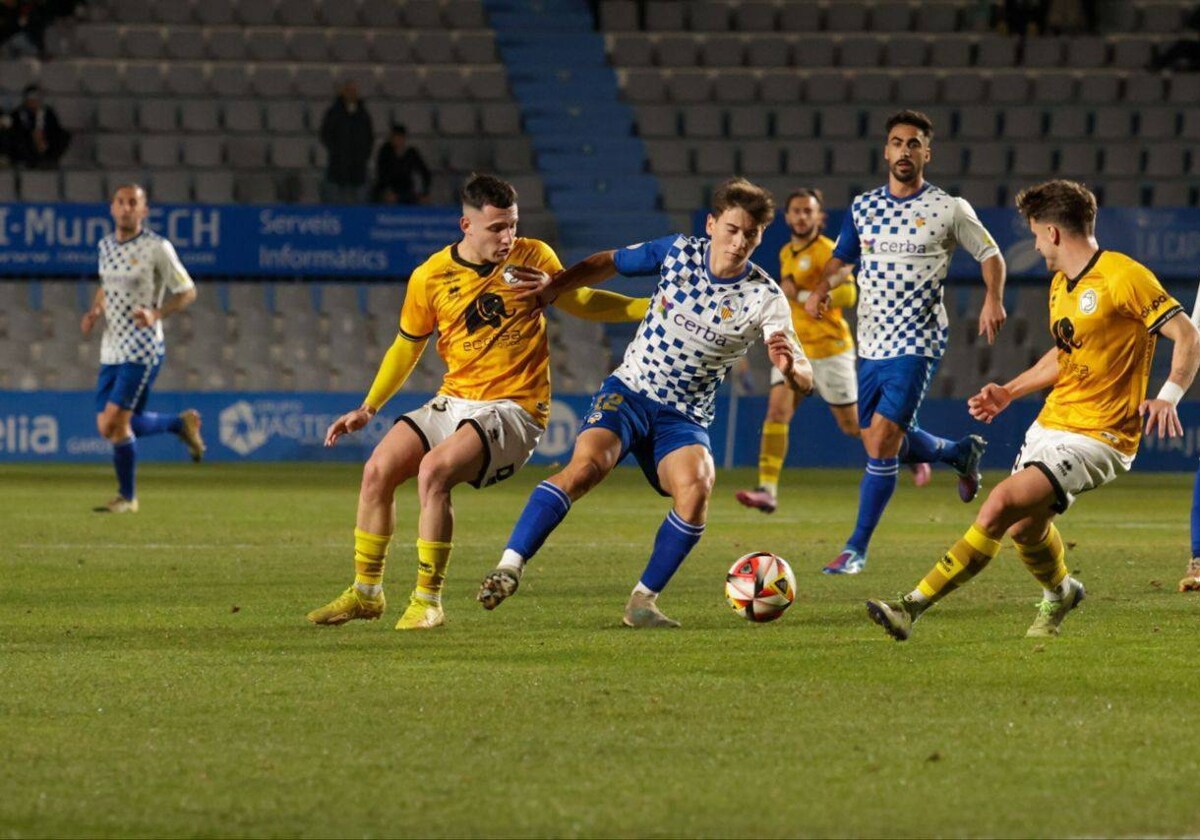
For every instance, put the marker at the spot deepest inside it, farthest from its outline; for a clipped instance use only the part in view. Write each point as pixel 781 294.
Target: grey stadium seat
pixel 144 78
pixel 159 152
pixel 39 186
pixel 83 186
pixel 199 115
pixel 204 152
pixel 158 115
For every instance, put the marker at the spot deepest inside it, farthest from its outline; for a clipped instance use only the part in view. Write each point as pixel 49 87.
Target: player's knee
pixel 849 427
pixel 112 427
pixel 691 495
pixel 435 475
pixel 581 475
pixel 1029 531
pixel 779 414
pixel 998 512
pixel 379 481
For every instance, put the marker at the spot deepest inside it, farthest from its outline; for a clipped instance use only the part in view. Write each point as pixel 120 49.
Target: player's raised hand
pixel 781 352
pixel 348 423
pixel 991 318
pixel 1161 418
pixel 531 283
pixel 816 304
pixel 144 316
pixel 990 401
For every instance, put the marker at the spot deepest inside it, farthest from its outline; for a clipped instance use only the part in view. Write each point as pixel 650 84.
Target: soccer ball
pixel 760 586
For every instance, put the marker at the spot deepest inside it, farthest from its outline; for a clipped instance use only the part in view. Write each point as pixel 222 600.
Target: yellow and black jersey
pixel 494 345
pixel 1105 323
pixel 804 266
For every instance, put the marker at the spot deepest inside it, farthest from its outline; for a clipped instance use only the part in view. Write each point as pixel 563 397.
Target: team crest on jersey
pixel 664 306
pixel 1087 303
pixel 919 221
pixel 805 263
pixel 486 310
pixel 1064 335
pixel 729 306
pixel 868 246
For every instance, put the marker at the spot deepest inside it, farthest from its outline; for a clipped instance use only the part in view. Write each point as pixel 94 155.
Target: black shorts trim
pixel 412 424
pixel 487 452
pixel 1061 505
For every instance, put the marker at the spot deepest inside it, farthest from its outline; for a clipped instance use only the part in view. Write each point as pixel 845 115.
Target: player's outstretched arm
pixel 94 312
pixel 1162 416
pixel 535 283
pixel 993 399
pixel 394 370
pixel 599 305
pixel 992 316
pixel 835 273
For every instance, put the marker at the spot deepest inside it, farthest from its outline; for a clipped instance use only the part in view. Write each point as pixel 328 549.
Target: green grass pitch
pixel 157 677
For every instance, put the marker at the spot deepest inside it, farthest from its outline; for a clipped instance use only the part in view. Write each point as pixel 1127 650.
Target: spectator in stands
pixel 28 20
pixel 347 135
pixel 1182 56
pixel 398 168
pixel 37 139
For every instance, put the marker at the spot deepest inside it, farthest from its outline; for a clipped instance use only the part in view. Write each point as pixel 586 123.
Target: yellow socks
pixel 1046 561
pixel 965 559
pixel 771 455
pixel 432 560
pixel 370 551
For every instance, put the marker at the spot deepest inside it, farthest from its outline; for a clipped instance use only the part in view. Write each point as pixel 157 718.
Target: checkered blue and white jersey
pixel 902 247
pixel 134 273
pixel 697 325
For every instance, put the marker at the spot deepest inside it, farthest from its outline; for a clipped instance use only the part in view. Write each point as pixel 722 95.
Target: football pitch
pixel 157 676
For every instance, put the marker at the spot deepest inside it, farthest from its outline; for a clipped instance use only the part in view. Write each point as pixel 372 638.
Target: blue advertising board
pixel 59 426
pixel 1165 240
pixel 40 240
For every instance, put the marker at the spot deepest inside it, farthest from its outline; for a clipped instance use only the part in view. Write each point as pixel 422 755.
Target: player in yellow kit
pixel 490 412
pixel 827 342
pixel 1106 312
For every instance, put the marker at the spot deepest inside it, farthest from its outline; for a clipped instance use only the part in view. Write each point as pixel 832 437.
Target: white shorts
pixel 833 377
pixel 1074 463
pixel 508 432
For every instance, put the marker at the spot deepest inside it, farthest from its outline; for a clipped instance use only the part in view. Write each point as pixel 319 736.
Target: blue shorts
pixel 648 429
pixel 127 385
pixel 894 388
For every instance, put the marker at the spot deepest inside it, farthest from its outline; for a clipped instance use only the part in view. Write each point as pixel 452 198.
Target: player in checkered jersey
pixel 138 268
pixel 901 236
pixel 710 305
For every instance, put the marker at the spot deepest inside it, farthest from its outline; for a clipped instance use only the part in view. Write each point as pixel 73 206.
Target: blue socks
pixel 1196 515
pixel 878 484
pixel 125 460
pixel 547 506
pixel 149 423
pixel 920 447
pixel 674 540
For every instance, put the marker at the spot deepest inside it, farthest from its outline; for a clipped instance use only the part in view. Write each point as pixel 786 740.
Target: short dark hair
pixel 399 128
pixel 480 190
pixel 131 185
pixel 740 193
pixel 916 119
pixel 1067 204
pixel 806 192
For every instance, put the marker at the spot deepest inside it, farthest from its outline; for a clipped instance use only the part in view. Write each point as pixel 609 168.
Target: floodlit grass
pixel 157 677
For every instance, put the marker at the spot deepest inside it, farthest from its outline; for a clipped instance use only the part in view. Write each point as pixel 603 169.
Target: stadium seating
pixel 818 79
pixel 169 90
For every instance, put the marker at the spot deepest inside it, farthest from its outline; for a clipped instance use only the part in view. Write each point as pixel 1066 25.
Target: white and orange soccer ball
pixel 760 586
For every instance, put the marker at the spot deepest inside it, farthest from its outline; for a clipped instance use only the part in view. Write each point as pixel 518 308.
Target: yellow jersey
pixel 1105 323
pixel 803 266
pixel 494 345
